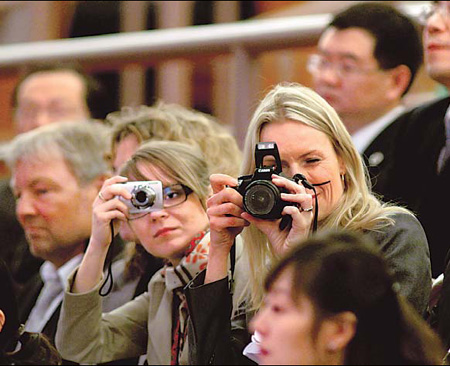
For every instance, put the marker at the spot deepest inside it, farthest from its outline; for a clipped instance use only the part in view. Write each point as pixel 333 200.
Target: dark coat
pixel 414 180
pixel 379 158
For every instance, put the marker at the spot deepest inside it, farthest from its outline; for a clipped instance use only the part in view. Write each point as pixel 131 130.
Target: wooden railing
pixel 243 40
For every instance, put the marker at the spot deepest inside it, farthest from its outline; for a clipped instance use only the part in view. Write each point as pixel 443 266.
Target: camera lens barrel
pixel 144 197
pixel 262 199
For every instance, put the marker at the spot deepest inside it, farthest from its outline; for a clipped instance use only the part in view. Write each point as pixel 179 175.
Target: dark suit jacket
pixel 414 180
pixel 379 158
pixel 27 300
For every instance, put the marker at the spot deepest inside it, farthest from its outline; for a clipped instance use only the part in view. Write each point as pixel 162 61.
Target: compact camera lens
pixel 260 198
pixel 144 198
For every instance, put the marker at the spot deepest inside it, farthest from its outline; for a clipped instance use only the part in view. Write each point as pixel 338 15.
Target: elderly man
pixel 44 95
pixel 57 171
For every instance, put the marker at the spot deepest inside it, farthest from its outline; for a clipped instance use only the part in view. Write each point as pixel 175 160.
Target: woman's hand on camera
pixel 107 208
pixel 301 223
pixel 224 209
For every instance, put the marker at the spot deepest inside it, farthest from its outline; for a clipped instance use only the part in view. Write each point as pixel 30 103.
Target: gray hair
pixel 83 145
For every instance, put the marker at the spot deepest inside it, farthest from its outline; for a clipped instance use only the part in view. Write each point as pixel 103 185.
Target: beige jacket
pixel 142 326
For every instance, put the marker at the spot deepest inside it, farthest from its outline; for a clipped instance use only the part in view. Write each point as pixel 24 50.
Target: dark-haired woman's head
pixel 331 301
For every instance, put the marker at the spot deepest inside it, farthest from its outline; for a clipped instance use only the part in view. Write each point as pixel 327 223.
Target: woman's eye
pixel 171 195
pixel 277 309
pixel 312 161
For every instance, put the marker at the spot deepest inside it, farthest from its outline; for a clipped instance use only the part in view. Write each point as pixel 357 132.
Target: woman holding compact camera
pixel 171 224
pixel 328 187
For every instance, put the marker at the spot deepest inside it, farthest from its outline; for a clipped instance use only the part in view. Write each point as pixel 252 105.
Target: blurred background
pixel 215 56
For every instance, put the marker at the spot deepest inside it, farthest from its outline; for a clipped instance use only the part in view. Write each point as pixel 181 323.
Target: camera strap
pixel 302 179
pixel 109 277
pixel 232 265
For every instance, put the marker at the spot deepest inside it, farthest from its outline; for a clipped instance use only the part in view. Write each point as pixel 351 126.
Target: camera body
pixel 262 198
pixel 147 196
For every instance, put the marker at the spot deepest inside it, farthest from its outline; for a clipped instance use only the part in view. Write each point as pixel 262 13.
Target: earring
pixel 332 347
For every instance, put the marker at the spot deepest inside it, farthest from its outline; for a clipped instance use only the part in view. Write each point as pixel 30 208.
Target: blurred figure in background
pixel 367 60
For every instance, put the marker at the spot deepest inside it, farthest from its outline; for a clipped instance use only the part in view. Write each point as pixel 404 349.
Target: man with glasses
pixel 367 59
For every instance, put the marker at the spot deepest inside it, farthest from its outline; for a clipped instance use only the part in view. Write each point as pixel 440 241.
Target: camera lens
pixel 260 198
pixel 145 197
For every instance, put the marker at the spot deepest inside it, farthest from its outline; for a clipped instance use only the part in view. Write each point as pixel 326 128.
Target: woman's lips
pixel 163 232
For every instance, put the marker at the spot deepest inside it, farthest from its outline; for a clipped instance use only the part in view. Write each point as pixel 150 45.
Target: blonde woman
pixel 312 141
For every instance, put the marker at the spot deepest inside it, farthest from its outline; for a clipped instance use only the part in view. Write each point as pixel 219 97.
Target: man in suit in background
pixel 57 172
pixel 44 95
pixel 367 59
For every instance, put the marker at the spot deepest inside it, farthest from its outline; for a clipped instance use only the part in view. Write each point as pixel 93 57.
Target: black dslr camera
pixel 262 198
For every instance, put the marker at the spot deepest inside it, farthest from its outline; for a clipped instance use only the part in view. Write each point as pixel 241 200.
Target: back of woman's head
pixel 343 272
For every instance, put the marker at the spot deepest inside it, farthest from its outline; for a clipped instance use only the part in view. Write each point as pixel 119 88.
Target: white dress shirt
pixel 366 135
pixel 51 294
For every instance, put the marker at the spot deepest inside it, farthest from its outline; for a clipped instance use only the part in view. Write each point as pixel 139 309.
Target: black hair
pixel 97 98
pixel 397 37
pixel 342 271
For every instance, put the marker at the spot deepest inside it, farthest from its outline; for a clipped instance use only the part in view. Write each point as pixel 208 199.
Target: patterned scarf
pixel 176 278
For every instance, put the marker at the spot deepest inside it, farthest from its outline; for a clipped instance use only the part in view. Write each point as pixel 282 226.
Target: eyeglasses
pixel 318 64
pixel 173 195
pixel 441 7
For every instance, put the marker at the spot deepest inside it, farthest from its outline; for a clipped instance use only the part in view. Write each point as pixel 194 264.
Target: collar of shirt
pixel 50 274
pixel 364 137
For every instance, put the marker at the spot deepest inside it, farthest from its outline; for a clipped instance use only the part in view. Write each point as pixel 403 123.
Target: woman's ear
pixel 338 331
pixel 2 319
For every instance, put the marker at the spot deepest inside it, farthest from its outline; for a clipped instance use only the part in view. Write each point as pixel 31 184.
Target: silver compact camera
pixel 146 196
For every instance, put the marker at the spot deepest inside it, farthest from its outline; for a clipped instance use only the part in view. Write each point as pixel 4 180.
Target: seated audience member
pixel 332 301
pixel 425 147
pixel 154 323
pixel 18 347
pixel 45 94
pixel 133 126
pixel 57 172
pixel 367 60
pixel 328 190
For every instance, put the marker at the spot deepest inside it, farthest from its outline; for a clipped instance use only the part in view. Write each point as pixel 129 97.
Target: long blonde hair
pixel 357 210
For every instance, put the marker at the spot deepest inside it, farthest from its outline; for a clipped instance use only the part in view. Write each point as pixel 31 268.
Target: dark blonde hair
pixel 180 162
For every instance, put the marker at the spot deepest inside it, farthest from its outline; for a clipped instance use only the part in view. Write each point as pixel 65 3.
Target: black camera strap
pixel 232 265
pixel 302 179
pixel 109 277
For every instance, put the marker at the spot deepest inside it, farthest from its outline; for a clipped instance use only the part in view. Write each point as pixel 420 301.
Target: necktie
pixel 445 152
